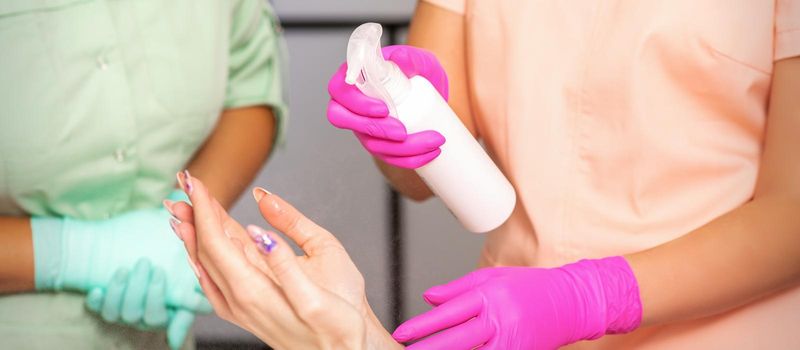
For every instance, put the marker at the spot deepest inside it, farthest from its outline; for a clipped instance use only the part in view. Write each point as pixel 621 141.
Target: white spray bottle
pixel 463 175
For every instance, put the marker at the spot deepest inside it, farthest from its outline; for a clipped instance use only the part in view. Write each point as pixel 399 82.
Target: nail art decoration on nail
pixel 187 181
pixel 173 222
pixel 262 239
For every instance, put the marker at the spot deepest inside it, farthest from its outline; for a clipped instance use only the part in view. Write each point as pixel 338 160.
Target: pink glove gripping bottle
pixel 463 175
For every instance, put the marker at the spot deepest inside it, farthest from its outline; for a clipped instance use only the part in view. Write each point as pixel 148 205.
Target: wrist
pixel 623 301
pixel 86 253
pixel 47 237
pixel 70 253
pixel 377 337
pixel 609 285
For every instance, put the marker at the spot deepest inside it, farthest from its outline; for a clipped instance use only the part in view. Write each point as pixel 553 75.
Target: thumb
pixel 437 295
pixel 178 328
pixel 416 61
pixel 309 236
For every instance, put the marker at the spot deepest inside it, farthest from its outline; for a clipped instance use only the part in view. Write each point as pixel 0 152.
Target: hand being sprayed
pixel 253 278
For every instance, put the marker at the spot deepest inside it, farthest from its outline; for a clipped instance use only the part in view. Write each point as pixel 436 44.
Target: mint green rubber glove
pixel 84 255
pixel 138 299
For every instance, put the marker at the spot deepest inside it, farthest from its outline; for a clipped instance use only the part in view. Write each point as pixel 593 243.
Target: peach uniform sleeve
pixel 787 29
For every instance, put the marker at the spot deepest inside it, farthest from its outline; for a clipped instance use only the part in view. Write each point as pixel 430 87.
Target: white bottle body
pixel 463 175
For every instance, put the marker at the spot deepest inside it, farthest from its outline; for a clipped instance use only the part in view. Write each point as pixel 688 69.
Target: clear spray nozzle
pixel 369 71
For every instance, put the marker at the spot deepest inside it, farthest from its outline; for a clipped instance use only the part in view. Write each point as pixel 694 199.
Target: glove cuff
pixel 609 294
pixel 623 302
pixel 48 242
pixel 87 249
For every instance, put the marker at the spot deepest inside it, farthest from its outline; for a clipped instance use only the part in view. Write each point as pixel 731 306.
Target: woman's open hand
pixel 253 278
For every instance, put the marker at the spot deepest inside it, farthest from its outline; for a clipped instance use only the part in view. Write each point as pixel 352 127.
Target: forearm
pixel 16 255
pixel 235 152
pixel 405 181
pixel 747 253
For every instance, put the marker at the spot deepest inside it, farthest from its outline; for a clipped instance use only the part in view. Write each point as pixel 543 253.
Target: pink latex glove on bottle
pixel 528 308
pixel 383 136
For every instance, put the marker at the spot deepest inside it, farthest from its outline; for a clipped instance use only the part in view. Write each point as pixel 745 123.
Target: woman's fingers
pixel 180 210
pixel 215 297
pixel 254 257
pixel 223 270
pixel 449 314
pixel 469 335
pixel 190 244
pixel 210 288
pixel 305 297
pixel 310 237
pixel 222 260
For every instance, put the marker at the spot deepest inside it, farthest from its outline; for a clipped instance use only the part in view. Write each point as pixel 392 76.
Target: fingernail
pixel 168 205
pixel 262 239
pixel 194 267
pixel 173 222
pixel 259 193
pixel 185 180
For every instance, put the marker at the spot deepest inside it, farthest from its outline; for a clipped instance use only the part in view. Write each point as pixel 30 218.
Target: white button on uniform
pixel 119 155
pixel 102 63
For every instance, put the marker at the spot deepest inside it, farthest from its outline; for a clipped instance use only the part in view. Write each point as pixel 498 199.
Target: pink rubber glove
pixel 528 308
pixel 383 136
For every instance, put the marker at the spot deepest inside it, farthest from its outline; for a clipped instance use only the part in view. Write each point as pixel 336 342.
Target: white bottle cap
pixel 369 71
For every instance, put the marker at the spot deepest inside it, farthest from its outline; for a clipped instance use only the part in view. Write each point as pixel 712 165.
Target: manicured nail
pixel 185 180
pixel 194 267
pixel 188 178
pixel 262 239
pixel 168 205
pixel 173 222
pixel 259 193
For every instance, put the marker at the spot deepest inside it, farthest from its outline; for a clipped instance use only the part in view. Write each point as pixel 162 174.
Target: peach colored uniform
pixel 624 124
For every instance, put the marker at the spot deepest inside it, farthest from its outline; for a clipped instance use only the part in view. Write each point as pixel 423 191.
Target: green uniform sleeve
pixel 257 61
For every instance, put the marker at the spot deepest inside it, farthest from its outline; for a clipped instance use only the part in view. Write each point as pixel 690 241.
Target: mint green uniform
pixel 101 103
